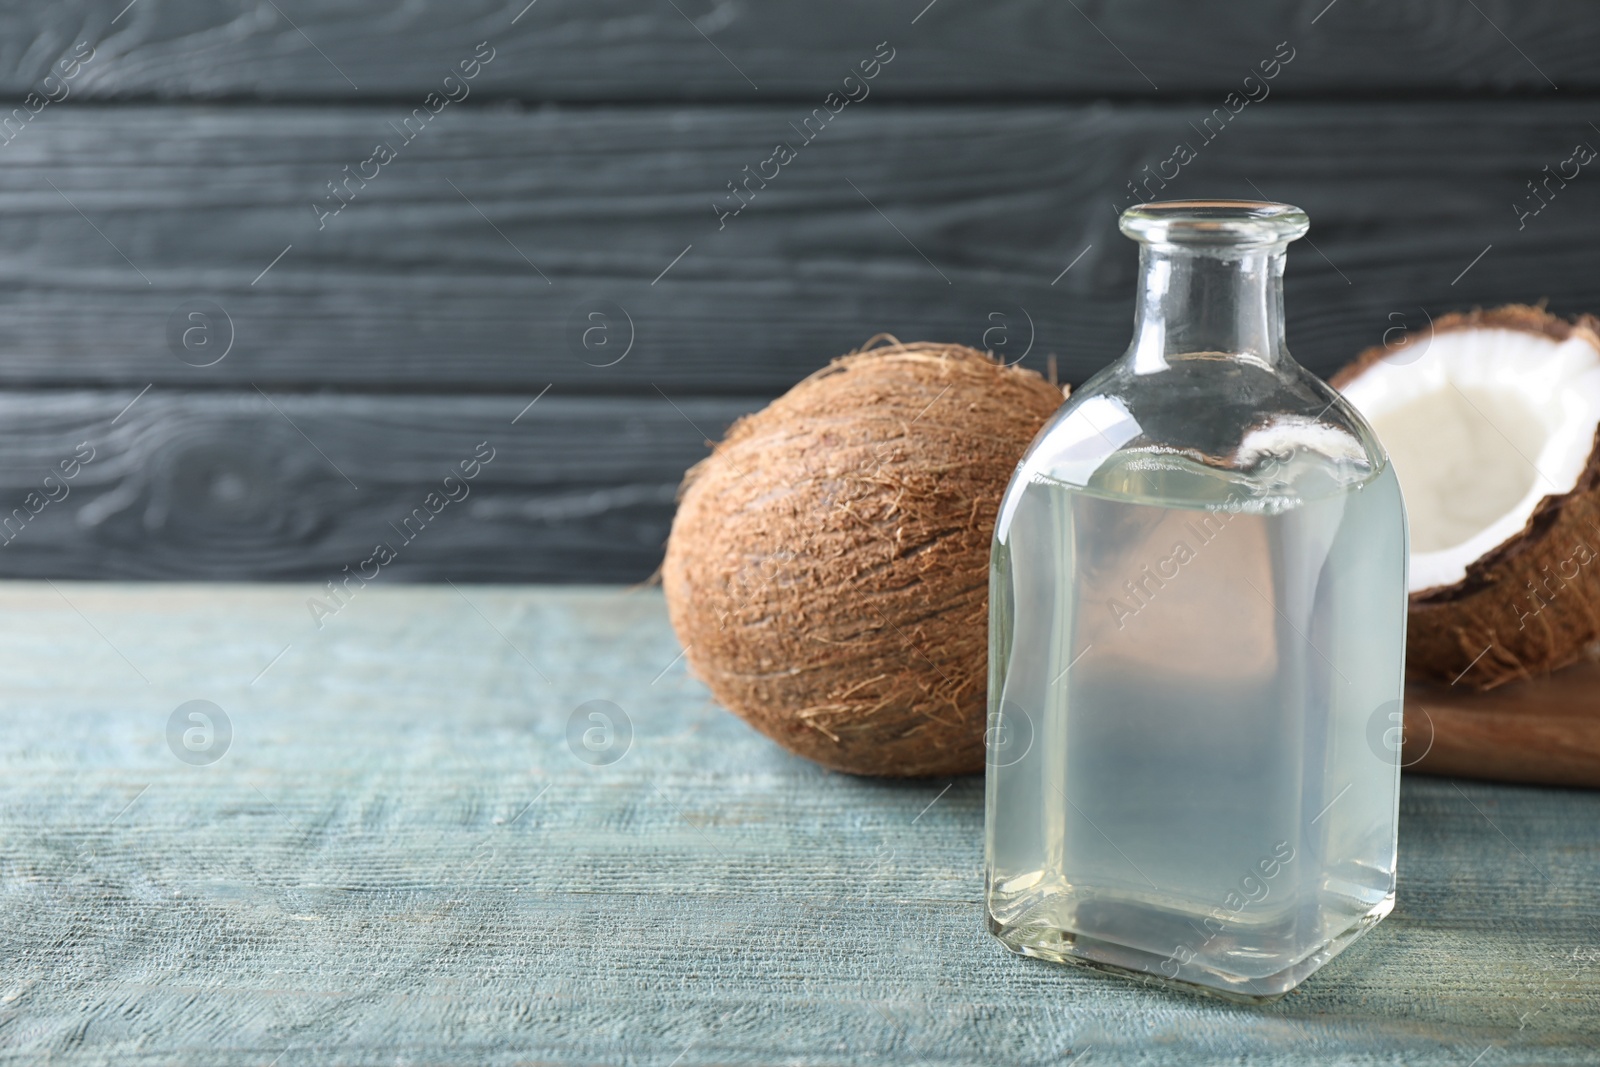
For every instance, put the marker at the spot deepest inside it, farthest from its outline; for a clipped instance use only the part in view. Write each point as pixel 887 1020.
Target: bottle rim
pixel 1214 222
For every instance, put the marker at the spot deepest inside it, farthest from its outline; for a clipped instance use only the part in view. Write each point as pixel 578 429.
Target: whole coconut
pixel 827 572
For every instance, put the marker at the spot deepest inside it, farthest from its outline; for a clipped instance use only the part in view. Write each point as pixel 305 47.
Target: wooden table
pixel 400 858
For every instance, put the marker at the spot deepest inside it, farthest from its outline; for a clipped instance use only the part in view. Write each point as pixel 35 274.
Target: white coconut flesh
pixel 1480 427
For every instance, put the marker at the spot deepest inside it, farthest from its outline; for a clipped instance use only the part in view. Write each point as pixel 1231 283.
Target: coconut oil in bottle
pixel 1197 631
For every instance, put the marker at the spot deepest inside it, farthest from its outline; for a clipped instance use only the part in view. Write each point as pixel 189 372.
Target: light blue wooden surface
pixel 400 860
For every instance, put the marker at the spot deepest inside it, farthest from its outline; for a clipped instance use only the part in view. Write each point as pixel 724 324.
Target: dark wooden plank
pixel 471 259
pixel 710 49
pixel 1544 729
pixel 253 486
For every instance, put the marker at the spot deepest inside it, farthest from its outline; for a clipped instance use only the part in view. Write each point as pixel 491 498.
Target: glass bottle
pixel 1197 637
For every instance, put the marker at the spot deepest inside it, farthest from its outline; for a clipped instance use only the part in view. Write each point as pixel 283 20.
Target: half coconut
pixel 1490 420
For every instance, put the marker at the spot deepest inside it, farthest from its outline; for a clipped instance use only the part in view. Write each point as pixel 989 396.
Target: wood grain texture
pixel 619 49
pixel 233 485
pixel 1543 730
pixel 400 859
pixel 471 261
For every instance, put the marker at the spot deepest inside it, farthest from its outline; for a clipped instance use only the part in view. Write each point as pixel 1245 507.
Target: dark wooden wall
pixel 375 350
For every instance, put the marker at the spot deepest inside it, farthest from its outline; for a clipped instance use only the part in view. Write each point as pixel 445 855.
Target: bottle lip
pixel 1235 223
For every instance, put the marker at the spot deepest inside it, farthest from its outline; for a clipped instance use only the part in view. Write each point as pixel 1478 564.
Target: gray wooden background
pixel 550 237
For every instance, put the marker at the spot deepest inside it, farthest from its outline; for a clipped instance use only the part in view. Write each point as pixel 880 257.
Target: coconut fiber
pixel 827 571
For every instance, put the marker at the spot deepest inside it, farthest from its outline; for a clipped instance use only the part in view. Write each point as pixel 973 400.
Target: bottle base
pixel 1067 946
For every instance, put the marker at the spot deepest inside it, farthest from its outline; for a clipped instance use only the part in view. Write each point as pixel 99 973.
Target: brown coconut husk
pixel 827 571
pixel 1489 628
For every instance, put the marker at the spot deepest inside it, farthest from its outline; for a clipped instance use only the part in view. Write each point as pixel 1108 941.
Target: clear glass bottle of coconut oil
pixel 1197 633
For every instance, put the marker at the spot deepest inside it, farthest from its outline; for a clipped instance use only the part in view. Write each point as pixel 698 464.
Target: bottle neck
pixel 1224 302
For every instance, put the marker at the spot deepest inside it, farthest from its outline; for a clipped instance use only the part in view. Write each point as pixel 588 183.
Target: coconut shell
pixel 1489 628
pixel 827 571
